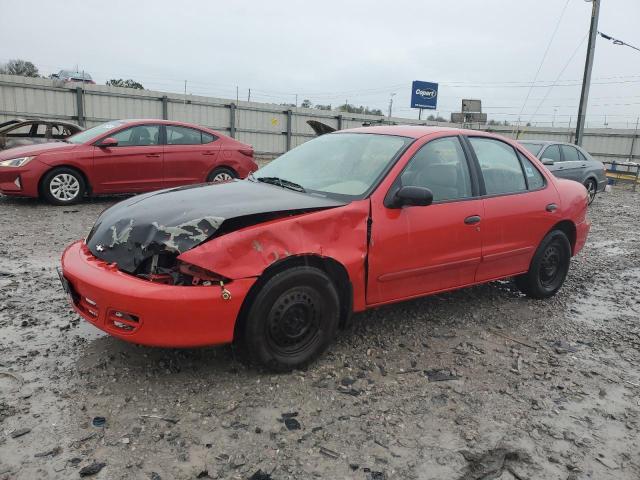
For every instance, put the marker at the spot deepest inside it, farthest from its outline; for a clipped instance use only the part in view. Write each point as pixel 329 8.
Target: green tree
pixel 129 83
pixel 23 68
pixel 347 107
pixel 306 103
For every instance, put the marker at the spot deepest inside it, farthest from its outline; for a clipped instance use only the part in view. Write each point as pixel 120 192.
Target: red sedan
pixel 123 156
pixel 345 222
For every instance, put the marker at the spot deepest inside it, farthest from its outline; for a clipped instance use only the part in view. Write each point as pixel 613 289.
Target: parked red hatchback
pixel 123 156
pixel 345 222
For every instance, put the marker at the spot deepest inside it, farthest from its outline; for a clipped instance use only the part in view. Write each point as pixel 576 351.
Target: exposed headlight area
pixel 166 269
pixel 16 162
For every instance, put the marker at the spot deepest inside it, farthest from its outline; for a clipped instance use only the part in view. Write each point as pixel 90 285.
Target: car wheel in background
pixel 63 186
pixel 221 174
pixel 592 189
pixel 548 268
pixel 292 319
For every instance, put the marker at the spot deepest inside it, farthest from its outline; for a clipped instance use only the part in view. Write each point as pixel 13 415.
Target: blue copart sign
pixel 424 95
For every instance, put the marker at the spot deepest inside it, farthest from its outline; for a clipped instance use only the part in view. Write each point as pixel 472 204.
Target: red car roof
pixel 413 131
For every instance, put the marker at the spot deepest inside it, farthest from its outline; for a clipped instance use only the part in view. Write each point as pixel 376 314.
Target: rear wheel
pixel 63 186
pixel 221 174
pixel 592 189
pixel 292 319
pixel 548 268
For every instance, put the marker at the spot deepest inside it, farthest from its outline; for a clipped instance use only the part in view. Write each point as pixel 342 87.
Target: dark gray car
pixel 566 160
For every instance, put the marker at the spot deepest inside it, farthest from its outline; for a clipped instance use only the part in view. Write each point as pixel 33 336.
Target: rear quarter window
pixel 535 180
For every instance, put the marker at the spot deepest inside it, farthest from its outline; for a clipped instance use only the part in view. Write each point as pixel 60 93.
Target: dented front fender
pixel 338 233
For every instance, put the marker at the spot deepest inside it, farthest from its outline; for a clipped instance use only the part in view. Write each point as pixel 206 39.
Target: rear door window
pixel 208 138
pixel 500 166
pixel 535 180
pixel 570 153
pixel 177 135
pixel 552 152
pixel 41 130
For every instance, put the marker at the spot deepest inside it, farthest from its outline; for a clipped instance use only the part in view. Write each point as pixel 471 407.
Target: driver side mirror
pixel 108 142
pixel 547 161
pixel 412 196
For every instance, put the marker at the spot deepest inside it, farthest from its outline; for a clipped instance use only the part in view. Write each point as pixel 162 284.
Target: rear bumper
pixel 148 313
pixel 582 230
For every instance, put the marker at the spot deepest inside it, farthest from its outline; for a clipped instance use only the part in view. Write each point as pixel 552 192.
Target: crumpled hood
pixel 179 219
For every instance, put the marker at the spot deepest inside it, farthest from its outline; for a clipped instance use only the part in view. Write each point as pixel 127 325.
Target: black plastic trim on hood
pixel 176 220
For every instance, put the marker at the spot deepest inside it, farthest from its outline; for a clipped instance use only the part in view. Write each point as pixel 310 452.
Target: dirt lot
pixel 476 384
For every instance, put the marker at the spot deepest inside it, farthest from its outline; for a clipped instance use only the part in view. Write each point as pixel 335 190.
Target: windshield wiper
pixel 281 182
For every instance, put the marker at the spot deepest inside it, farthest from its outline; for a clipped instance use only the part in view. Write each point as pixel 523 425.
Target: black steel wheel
pixel 549 267
pixel 292 319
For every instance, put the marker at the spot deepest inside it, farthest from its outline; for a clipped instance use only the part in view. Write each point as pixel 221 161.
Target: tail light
pixel 247 151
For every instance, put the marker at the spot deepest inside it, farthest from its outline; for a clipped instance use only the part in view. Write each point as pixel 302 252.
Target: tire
pixel 592 189
pixel 221 174
pixel 63 186
pixel 549 267
pixel 292 319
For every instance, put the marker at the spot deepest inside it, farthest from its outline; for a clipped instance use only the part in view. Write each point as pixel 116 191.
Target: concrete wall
pixel 271 129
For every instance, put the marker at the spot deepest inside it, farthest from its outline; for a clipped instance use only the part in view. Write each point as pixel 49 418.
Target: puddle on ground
pixel 610 247
pixel 595 308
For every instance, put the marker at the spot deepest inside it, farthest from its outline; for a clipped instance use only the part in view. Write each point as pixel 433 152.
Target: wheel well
pixel 569 229
pixel 227 167
pixel 334 269
pixel 80 172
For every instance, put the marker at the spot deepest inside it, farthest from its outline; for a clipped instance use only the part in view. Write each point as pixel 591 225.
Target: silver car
pixel 566 160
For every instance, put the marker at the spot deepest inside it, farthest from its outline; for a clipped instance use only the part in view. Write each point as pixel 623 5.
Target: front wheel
pixel 548 268
pixel 592 189
pixel 292 319
pixel 63 186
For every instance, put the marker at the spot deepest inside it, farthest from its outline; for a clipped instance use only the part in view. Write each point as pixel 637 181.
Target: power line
pixel 616 41
pixel 544 56
pixel 559 75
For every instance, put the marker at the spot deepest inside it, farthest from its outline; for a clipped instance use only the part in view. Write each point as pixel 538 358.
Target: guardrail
pixel 623 172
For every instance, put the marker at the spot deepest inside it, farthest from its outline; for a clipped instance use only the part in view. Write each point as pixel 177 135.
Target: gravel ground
pixel 481 383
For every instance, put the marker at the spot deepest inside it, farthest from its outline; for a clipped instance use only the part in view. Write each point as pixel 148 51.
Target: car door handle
pixel 552 207
pixel 153 155
pixel 208 153
pixel 472 220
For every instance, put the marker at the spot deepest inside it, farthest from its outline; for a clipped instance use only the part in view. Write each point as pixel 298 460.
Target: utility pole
pixel 249 96
pixel 391 104
pixel 588 66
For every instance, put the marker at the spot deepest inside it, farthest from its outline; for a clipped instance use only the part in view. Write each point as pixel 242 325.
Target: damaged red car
pixel 348 221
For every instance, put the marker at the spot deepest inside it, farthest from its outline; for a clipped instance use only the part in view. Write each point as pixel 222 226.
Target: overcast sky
pixel 332 51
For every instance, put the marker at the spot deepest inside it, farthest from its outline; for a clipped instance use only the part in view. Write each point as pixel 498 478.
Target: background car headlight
pixel 16 162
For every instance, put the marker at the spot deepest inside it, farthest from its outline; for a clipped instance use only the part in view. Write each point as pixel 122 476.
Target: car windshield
pixel 534 148
pixel 344 164
pixel 95 132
